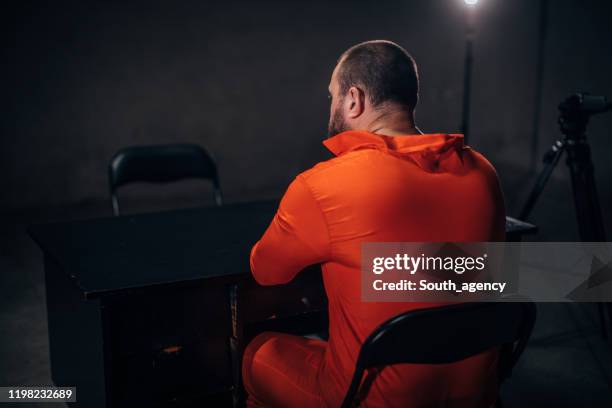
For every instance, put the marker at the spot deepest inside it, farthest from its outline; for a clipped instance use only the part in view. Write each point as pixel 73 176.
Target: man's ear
pixel 355 102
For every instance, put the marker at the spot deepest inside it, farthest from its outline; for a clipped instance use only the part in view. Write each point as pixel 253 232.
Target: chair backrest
pixel 161 164
pixel 447 334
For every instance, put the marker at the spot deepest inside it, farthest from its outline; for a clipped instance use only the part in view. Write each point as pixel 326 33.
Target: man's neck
pixel 394 123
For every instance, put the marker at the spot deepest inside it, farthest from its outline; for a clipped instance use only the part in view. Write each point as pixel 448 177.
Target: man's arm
pixel 296 238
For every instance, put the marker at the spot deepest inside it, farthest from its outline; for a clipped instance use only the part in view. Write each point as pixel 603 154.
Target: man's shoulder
pixel 481 161
pixel 331 166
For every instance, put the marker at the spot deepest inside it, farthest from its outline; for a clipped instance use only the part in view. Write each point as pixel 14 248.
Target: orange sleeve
pixel 296 237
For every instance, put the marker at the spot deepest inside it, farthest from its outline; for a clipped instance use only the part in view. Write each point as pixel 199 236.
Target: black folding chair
pixel 161 164
pixel 445 335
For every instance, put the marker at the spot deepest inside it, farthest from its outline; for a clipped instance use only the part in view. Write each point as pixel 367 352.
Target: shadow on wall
pixel 248 80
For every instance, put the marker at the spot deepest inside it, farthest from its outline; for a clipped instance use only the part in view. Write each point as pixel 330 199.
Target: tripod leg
pixel 602 318
pixel 551 158
pixel 586 201
pixel 609 306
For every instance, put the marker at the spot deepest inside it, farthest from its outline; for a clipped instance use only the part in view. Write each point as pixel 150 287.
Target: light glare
pixel 471 2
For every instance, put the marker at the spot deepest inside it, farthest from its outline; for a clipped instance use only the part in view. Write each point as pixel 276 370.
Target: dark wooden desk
pixel 140 308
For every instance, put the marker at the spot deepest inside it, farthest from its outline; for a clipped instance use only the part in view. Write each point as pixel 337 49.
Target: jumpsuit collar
pixel 434 152
pixel 352 140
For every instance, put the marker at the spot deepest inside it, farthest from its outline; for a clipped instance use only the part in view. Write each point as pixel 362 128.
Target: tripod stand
pixel 575 113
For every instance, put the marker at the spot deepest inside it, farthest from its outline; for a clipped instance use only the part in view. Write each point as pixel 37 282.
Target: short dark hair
pixel 386 71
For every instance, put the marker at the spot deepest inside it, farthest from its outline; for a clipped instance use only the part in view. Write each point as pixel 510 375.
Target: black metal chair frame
pixel 161 164
pixel 452 333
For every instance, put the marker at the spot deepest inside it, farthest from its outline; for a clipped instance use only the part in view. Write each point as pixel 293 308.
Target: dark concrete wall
pixel 248 80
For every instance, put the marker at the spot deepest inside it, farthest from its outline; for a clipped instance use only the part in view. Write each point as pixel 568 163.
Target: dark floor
pixel 567 363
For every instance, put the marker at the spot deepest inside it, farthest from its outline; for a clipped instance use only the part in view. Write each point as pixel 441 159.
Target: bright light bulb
pixel 470 2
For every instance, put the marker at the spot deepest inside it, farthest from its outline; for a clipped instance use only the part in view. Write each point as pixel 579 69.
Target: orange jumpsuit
pixel 378 188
